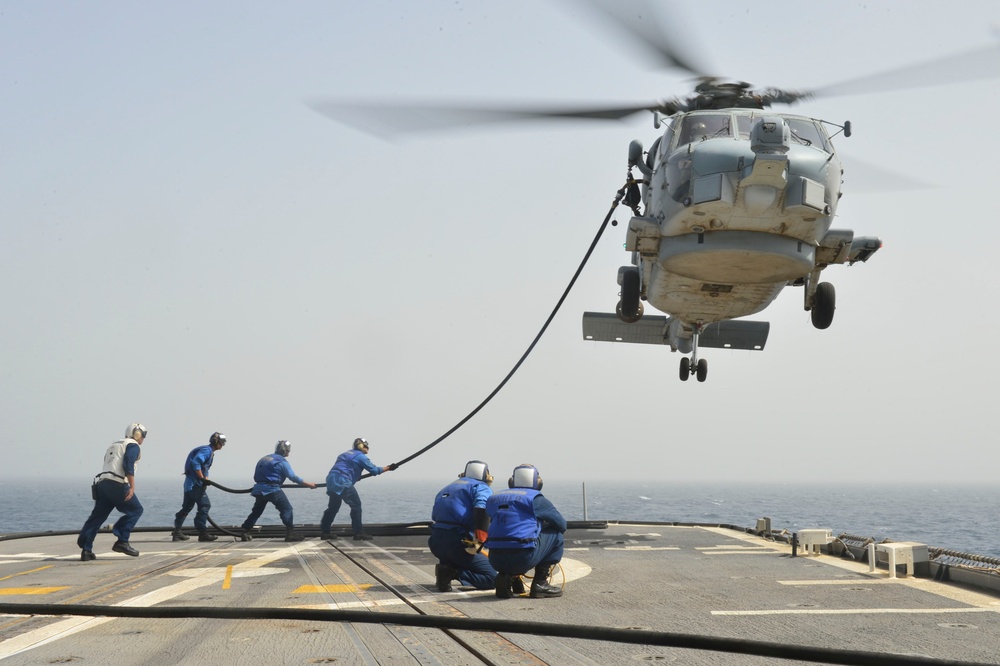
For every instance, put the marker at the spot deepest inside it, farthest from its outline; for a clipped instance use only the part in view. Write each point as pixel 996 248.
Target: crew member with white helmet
pixel 114 488
pixel 526 531
pixel 459 530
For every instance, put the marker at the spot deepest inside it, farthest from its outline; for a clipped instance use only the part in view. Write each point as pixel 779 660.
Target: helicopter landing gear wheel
pixel 702 371
pixel 628 319
pixel 630 308
pixel 824 304
pixel 685 368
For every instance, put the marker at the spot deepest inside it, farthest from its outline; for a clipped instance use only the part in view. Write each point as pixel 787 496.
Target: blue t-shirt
pixel 347 470
pixel 200 458
pixel 271 472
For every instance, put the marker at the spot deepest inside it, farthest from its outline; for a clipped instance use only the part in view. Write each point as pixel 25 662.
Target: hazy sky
pixel 184 242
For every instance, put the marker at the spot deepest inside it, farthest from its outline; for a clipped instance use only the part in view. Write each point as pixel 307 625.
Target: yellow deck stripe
pixel 47 566
pixel 312 589
pixel 229 577
pixel 7 591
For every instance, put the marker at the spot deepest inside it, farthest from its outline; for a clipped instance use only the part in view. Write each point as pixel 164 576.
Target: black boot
pixel 516 585
pixel 290 535
pixel 205 536
pixel 443 575
pixel 540 587
pixel 179 536
pixel 503 586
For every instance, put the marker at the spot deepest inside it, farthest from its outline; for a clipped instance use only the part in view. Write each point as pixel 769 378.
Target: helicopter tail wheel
pixel 702 371
pixel 685 368
pixel 824 304
pixel 630 308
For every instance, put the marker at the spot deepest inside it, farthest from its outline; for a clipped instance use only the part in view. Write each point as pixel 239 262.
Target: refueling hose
pixel 586 257
pixel 630 636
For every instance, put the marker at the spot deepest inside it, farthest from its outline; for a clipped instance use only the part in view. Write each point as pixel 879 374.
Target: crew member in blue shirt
pixel 196 467
pixel 114 488
pixel 526 531
pixel 271 472
pixel 340 487
pixel 459 530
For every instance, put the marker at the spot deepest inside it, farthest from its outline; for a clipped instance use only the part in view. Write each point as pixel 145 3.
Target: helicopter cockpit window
pixel 806 133
pixel 703 127
pixel 744 123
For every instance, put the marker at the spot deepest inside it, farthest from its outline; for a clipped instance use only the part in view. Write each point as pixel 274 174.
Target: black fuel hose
pixel 586 257
pixel 612 634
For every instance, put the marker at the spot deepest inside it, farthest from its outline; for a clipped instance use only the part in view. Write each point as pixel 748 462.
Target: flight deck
pixel 632 593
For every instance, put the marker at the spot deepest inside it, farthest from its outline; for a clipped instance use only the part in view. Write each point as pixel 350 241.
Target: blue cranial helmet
pixel 525 476
pixel 477 469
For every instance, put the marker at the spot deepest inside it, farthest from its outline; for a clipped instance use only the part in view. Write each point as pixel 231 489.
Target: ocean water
pixel 962 518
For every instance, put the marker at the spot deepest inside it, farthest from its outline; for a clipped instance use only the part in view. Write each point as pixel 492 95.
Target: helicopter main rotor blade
pixel 387 118
pixel 640 19
pixel 974 65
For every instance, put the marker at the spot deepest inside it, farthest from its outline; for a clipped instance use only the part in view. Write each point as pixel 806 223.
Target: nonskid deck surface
pixel 702 581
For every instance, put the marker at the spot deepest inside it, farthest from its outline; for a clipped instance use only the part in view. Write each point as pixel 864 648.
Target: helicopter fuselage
pixel 737 203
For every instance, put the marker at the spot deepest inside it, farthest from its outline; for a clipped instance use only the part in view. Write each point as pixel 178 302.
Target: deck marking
pixel 839 581
pixel 855 611
pixel 229 577
pixel 339 588
pixel 7 591
pixel 47 566
pixel 72 625
pixel 642 548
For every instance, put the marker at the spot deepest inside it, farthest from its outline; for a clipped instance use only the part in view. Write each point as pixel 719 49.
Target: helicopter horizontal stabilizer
pixel 652 330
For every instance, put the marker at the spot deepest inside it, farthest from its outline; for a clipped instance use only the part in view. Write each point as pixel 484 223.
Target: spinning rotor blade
pixel 974 65
pixel 387 118
pixel 640 20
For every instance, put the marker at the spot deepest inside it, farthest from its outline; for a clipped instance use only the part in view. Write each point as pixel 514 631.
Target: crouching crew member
pixel 114 488
pixel 459 530
pixel 196 467
pixel 271 472
pixel 340 480
pixel 526 531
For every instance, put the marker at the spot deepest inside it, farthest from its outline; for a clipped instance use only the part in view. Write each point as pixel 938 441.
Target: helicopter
pixel 732 202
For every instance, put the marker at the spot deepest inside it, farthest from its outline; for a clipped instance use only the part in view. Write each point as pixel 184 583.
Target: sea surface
pixel 961 518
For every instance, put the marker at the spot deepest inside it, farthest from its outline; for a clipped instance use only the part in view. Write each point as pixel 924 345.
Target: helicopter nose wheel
pixel 694 365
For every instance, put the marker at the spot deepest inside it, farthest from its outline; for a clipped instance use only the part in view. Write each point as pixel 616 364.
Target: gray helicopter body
pixel 737 205
pixel 732 216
